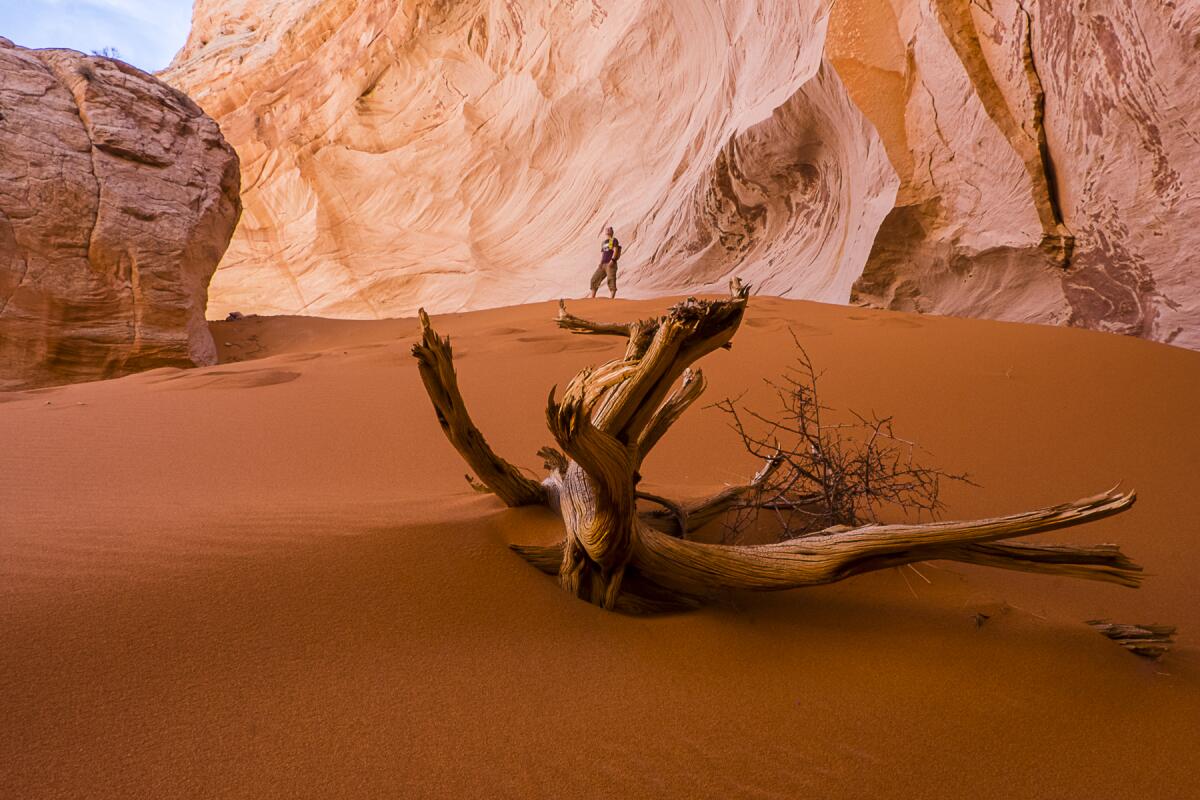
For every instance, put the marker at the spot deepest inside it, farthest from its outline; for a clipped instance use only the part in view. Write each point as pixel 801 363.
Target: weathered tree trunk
pixel 611 416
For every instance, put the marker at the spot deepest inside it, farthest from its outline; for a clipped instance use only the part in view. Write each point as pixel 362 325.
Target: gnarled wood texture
pixel 607 420
pixel 435 360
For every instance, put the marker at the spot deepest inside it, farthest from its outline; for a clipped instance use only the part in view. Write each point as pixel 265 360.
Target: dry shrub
pixel 831 473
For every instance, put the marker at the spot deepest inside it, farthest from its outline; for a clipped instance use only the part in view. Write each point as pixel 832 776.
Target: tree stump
pixel 609 417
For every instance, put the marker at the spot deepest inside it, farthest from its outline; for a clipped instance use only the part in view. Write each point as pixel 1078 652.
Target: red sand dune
pixel 268 578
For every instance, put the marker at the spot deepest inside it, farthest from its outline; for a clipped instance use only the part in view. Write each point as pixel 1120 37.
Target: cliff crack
pixel 77 95
pixel 1037 92
pixel 54 74
pixel 8 244
pixel 958 25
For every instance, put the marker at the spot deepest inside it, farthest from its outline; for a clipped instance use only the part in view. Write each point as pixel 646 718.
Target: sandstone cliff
pixel 1048 153
pixel 462 155
pixel 117 199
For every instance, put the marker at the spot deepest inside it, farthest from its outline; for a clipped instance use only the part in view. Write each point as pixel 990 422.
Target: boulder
pixel 118 197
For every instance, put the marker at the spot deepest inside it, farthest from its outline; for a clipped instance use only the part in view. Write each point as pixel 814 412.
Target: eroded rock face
pixel 1048 154
pixel 793 201
pixel 118 197
pixel 464 155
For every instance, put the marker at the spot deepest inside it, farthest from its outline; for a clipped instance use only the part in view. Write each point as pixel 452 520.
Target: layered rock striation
pixel 463 155
pixel 1014 159
pixel 118 197
pixel 1048 154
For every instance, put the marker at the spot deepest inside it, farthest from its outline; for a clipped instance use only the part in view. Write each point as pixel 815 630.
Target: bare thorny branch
pixel 845 473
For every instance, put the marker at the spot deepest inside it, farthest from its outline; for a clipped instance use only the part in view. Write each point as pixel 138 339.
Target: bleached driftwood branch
pixel 608 418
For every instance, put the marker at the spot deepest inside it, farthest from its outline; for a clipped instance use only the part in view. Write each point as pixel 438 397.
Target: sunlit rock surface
pixel 117 199
pixel 1014 159
pixel 464 155
pixel 1049 154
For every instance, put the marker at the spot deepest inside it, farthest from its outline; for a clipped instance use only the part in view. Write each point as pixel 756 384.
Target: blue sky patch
pixel 145 33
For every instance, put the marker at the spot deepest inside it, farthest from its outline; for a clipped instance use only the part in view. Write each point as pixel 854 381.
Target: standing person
pixel 610 253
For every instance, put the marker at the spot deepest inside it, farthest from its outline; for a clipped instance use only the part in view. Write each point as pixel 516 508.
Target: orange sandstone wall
pixel 1031 160
pixel 464 155
pixel 1049 154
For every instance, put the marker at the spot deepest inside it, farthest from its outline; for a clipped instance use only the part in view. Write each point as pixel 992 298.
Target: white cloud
pixel 147 33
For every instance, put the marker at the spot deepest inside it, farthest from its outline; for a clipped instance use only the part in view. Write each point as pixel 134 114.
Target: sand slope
pixel 269 579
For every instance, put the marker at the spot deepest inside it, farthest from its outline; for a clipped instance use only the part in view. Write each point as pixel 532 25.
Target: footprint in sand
pixel 230 379
pixel 799 328
pixel 898 322
pixel 296 358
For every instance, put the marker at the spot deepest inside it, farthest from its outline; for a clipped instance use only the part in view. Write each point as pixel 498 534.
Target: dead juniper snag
pixel 609 417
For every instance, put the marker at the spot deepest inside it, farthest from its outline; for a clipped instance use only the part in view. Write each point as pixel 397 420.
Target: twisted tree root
pixel 611 416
